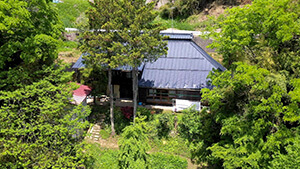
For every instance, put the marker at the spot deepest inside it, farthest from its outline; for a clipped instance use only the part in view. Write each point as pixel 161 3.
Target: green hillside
pixel 71 11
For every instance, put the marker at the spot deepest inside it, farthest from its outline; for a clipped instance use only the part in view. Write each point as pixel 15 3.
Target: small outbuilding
pixel 80 95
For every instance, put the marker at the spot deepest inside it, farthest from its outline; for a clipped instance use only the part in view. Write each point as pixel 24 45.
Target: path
pixel 94 136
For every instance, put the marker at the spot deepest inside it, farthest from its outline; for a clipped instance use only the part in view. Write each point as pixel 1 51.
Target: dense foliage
pixel 185 8
pixel 99 45
pixel 253 115
pixel 134 146
pixel 253 120
pixel 201 131
pixel 265 33
pixel 28 41
pixel 39 127
pixel 118 39
pixel 141 40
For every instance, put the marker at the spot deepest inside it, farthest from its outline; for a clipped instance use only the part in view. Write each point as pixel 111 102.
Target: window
pixel 152 92
pixel 172 93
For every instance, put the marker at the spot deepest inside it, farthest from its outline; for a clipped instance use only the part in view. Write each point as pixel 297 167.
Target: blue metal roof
pixel 79 64
pixel 185 67
pixel 178 35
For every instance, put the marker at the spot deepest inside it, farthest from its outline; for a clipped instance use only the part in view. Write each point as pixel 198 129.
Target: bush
pixel 164 161
pixel 134 146
pixel 120 120
pixel 164 125
pixel 167 11
pixel 144 112
pixel 127 112
pixel 97 113
pixel 105 133
pixel 161 125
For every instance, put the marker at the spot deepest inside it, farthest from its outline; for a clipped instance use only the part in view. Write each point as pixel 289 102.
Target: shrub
pixel 120 120
pixel 127 112
pixel 166 11
pixel 164 124
pixel 144 112
pixel 105 133
pixel 134 146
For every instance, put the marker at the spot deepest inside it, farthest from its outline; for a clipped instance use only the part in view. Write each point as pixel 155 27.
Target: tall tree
pixel 265 32
pixel 29 30
pixel 99 43
pixel 38 125
pixel 141 39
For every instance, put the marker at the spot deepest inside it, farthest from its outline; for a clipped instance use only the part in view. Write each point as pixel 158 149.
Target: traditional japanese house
pixel 179 75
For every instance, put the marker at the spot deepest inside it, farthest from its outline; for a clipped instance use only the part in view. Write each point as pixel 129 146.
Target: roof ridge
pixel 178 69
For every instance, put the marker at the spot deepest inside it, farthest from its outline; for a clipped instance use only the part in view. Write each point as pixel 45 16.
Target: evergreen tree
pixel 39 127
pixel 100 41
pixel 142 39
pixel 134 146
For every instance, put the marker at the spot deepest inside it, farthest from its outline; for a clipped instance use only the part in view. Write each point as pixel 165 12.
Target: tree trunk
pixel 135 90
pixel 111 99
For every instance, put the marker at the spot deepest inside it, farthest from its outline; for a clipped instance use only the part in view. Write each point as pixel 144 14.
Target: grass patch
pixel 68 51
pixel 108 159
pixel 176 23
pixel 70 10
pixel 172 145
pixel 105 133
pixel 166 161
pixel 102 158
pixel 200 22
pixel 66 46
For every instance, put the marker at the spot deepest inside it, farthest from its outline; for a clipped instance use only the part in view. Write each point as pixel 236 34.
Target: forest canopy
pixel 39 126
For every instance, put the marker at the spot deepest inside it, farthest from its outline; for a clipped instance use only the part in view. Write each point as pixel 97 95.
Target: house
pixel 179 75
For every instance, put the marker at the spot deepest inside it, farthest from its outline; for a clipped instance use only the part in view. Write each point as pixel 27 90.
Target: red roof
pixel 83 90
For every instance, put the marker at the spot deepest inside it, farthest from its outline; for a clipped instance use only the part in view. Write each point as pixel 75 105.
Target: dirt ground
pixel 69 56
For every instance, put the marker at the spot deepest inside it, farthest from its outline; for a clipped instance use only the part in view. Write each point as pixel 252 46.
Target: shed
pixel 80 95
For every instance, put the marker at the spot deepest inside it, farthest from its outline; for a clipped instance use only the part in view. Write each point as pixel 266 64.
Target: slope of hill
pixel 70 12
